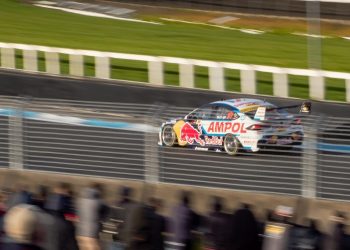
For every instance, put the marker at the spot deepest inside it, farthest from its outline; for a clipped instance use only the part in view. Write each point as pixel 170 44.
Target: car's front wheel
pixel 231 144
pixel 168 136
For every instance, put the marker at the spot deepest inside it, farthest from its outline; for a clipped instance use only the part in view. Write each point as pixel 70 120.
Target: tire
pixel 231 144
pixel 168 136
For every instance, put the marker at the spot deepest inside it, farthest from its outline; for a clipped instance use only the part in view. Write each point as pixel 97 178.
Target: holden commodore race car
pixel 231 125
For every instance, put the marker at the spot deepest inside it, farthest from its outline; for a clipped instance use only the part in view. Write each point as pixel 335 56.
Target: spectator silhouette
pixel 20 196
pixel 2 214
pixel 336 237
pixel 218 225
pixel 316 235
pixel 62 236
pixel 59 199
pixel 126 194
pixel 120 212
pixel 158 227
pixel 41 196
pixel 91 211
pixel 244 230
pixel 184 220
pixel 20 224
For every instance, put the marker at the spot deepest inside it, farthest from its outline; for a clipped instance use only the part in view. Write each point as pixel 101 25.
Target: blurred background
pixel 86 85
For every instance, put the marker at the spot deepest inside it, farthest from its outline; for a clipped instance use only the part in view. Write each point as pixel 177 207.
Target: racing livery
pixel 234 124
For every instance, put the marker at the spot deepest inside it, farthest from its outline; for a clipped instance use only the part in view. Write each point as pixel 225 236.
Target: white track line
pixel 248 31
pixel 310 35
pixel 94 14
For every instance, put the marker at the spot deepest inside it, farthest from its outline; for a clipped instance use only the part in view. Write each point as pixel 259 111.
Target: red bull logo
pixel 189 134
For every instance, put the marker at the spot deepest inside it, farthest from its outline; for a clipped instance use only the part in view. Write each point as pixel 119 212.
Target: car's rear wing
pixel 305 108
pixel 261 111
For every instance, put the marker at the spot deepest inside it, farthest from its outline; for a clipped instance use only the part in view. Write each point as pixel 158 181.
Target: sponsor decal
pixel 201 149
pixel 248 142
pixel 247 104
pixel 260 113
pixel 226 127
pixel 191 135
pixel 214 140
pixel 250 108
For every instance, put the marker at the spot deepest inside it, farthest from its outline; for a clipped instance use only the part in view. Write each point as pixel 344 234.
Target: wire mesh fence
pixel 121 140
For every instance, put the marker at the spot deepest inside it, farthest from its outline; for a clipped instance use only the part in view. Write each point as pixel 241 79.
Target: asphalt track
pixel 14 83
pixel 276 172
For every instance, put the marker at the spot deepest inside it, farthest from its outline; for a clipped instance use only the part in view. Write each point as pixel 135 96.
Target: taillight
pixel 259 126
pixel 255 127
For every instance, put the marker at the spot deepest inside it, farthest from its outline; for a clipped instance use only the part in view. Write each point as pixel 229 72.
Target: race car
pixel 231 125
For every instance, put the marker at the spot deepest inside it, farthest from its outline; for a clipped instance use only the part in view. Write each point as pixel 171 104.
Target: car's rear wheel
pixel 168 136
pixel 231 144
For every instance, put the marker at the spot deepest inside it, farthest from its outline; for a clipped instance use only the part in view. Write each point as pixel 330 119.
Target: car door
pixel 223 118
pixel 191 132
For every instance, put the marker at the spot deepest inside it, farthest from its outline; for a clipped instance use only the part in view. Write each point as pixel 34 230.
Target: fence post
pixel 76 65
pixel 155 72
pixel 102 67
pixel 280 84
pixel 216 78
pixel 248 82
pixel 151 145
pixel 317 90
pixel 16 137
pixel 186 71
pixel 347 87
pixel 8 58
pixel 52 63
pixel 309 160
pixel 30 60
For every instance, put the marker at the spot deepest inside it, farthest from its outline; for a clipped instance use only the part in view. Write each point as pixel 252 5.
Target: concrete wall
pixel 317 209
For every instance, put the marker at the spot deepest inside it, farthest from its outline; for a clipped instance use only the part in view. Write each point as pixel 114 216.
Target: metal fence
pixel 119 140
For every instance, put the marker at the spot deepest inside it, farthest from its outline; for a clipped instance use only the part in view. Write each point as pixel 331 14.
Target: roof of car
pixel 244 104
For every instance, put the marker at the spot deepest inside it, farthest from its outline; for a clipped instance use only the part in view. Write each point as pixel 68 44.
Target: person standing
pixel 91 211
pixel 336 238
pixel 62 236
pixel 245 230
pixel 183 222
pixel 158 226
pixel 21 223
pixel 218 226
pixel 20 196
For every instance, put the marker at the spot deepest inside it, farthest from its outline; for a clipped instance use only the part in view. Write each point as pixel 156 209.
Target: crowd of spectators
pixel 57 219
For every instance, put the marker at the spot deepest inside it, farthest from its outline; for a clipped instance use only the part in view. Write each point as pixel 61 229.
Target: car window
pixel 203 113
pixel 222 112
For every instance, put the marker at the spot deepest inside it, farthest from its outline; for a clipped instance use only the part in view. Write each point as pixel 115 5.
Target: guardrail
pixel 119 140
pixel 155 69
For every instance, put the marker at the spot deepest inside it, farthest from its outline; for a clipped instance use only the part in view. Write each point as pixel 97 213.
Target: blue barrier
pixel 46 117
